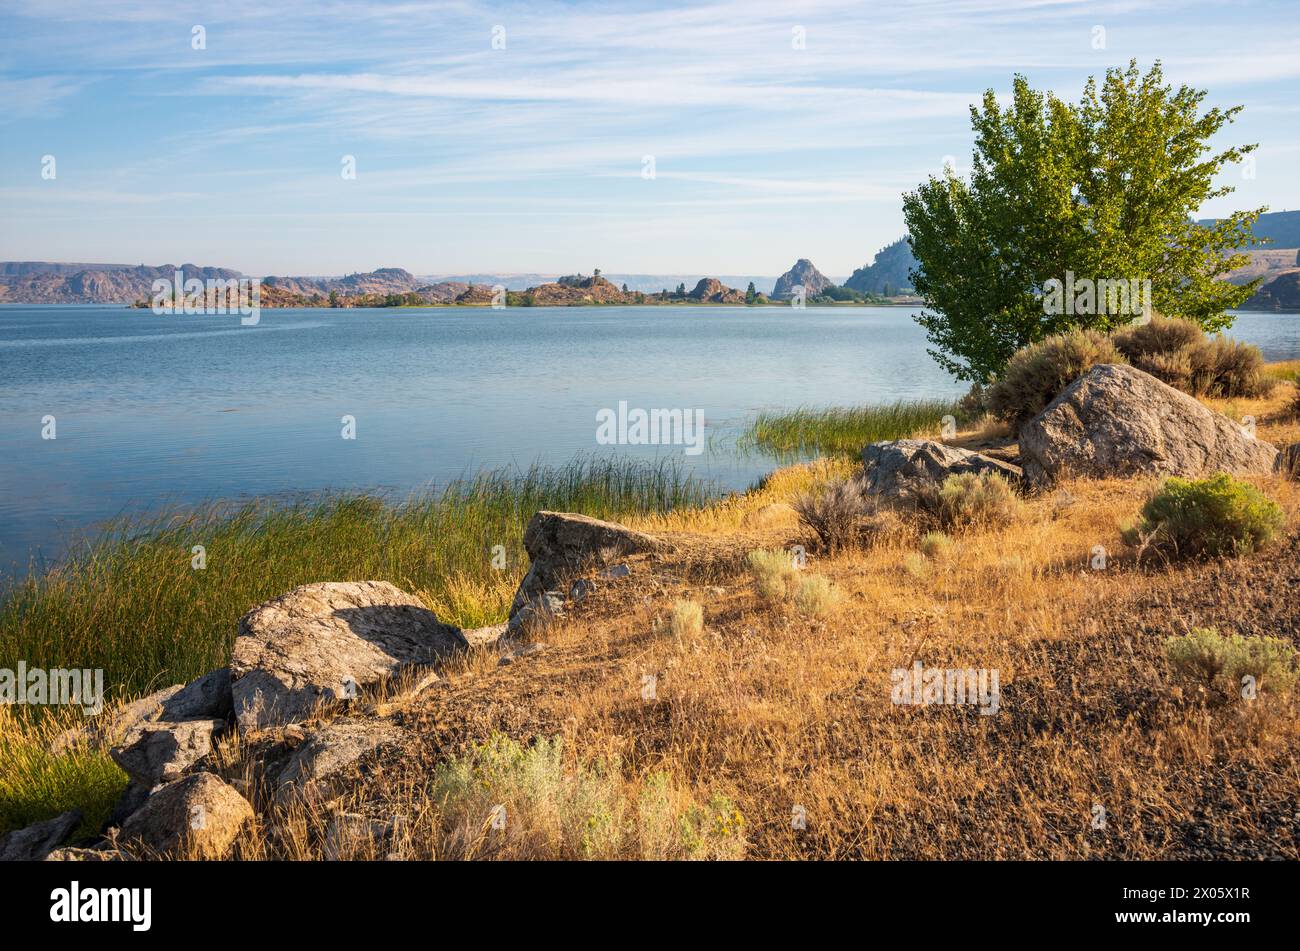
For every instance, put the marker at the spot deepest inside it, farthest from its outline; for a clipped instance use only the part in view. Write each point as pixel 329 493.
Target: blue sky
pixel 530 158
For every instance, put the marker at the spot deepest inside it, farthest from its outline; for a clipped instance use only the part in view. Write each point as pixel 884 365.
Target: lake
pixel 152 411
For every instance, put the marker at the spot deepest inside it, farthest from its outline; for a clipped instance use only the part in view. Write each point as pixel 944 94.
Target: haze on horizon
pixel 532 157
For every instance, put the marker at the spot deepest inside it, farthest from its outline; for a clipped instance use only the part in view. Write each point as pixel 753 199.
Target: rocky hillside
pixel 94 284
pixel 386 280
pixel 889 274
pixel 710 290
pixel 1281 293
pixel 802 274
pixel 590 290
pixel 1280 228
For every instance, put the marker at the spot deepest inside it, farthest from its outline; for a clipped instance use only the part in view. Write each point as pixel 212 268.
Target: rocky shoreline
pixel 316 674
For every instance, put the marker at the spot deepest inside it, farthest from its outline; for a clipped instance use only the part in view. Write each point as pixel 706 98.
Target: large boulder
pixel 209 697
pixel 1116 421
pixel 325 756
pixel 35 842
pixel 895 470
pixel 560 544
pixel 195 817
pixel 161 752
pixel 323 642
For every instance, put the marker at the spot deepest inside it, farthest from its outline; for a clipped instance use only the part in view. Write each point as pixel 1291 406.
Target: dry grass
pixel 767 713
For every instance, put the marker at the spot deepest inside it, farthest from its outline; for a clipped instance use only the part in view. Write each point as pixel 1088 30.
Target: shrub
pixel 550 811
pixel 774 572
pixel 1220 515
pixel 1036 374
pixel 715 830
pixel 687 619
pixel 834 516
pixel 1211 659
pixel 969 498
pixel 975 403
pixel 915 565
pixel 1177 351
pixel 815 597
pixel 934 544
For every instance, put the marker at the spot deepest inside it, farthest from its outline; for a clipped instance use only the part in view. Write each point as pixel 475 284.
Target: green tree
pixel 1103 190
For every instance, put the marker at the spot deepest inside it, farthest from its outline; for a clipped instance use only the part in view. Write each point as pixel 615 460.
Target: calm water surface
pixel 153 411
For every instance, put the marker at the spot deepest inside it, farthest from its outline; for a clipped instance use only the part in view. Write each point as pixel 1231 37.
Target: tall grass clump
pixel 845 430
pixel 686 619
pixel 1192 518
pixel 130 602
pixel 36 785
pixel 1035 375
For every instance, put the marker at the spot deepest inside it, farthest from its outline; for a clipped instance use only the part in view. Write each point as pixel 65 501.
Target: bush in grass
pixel 1191 518
pixel 969 498
pixel 815 596
pixel 1207 657
pixel 1036 374
pixel 835 514
pixel 774 573
pixel 934 544
pixel 715 830
pixel 1178 352
pixel 578 811
pixel 687 619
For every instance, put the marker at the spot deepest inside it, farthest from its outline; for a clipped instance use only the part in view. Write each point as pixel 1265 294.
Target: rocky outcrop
pixel 804 275
pixel 889 274
pixel 328 752
pixel 896 470
pixel 712 291
pixel 562 544
pixel 35 842
pixel 161 752
pixel 589 290
pixel 1116 421
pixel 195 817
pixel 324 642
pixel 209 697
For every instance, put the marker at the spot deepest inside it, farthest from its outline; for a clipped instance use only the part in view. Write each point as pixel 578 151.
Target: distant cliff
pixel 888 274
pixel 34 282
pixel 804 275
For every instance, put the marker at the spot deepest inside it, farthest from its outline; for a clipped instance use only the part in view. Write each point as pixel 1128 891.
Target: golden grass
pixel 767 714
